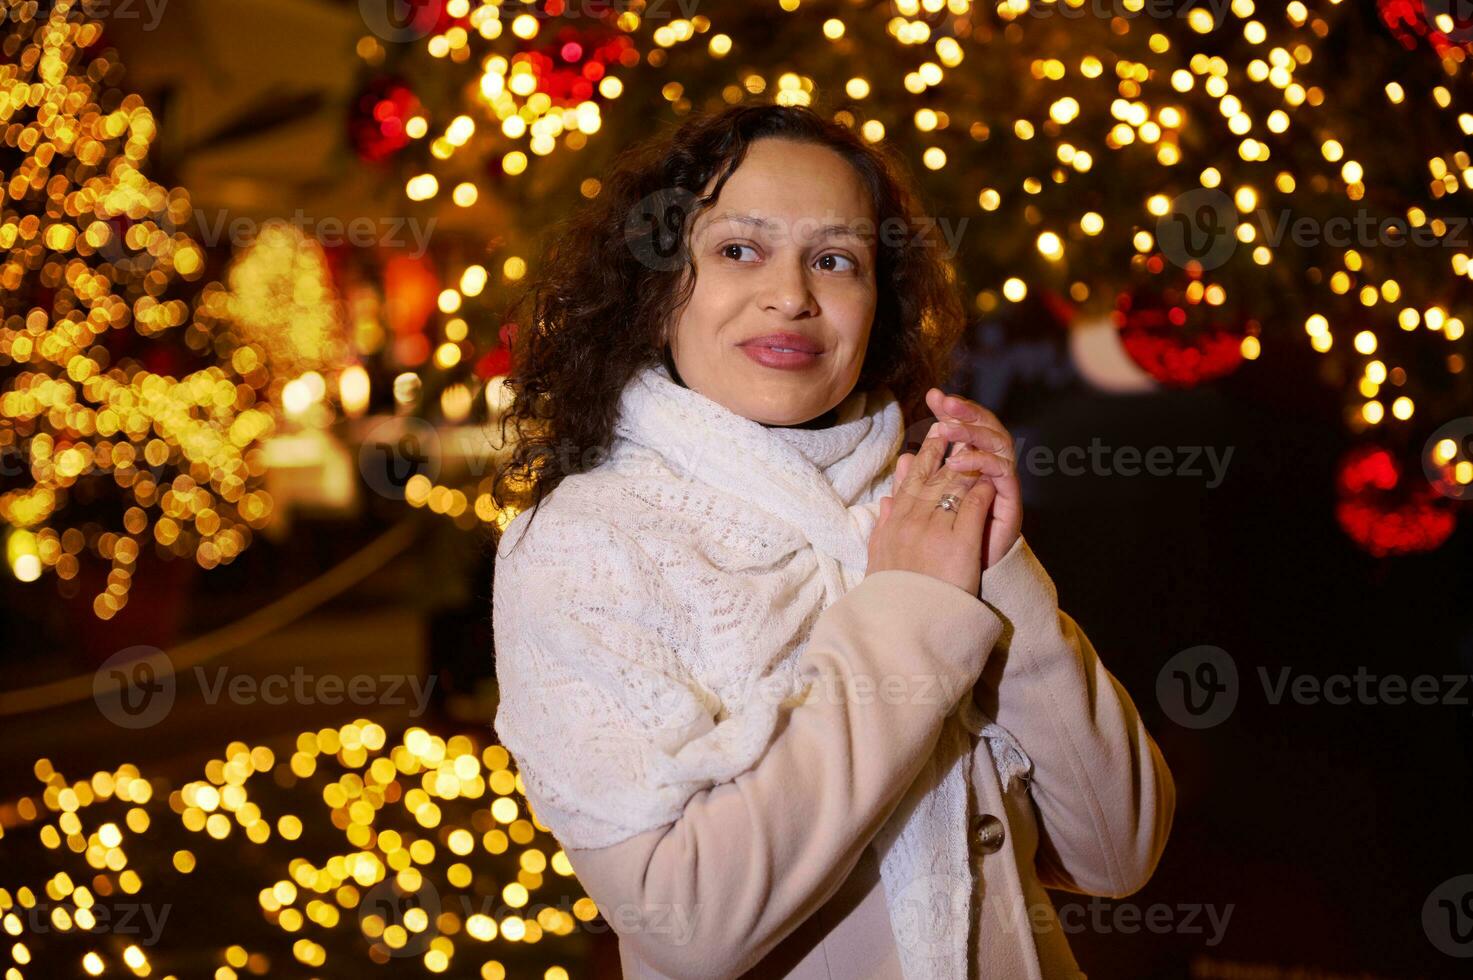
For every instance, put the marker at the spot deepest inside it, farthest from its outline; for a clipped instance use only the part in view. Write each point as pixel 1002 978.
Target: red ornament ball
pixel 1154 332
pixel 1385 514
pixel 378 124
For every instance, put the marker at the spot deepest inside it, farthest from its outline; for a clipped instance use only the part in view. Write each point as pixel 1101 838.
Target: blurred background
pixel 255 262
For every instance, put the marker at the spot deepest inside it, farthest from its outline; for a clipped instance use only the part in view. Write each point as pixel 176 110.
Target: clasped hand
pixel 955 545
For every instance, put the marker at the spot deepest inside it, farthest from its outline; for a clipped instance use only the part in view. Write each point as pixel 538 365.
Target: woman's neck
pixel 821 422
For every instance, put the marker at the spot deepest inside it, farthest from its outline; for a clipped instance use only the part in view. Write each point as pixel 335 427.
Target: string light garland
pixel 1230 162
pixel 422 852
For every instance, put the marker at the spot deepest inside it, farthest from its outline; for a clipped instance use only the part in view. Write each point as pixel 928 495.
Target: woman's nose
pixel 786 290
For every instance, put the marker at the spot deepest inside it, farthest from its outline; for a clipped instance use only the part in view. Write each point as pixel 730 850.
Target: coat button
pixel 988 833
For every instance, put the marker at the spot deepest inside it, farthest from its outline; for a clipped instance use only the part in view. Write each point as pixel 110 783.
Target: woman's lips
pixel 787 360
pixel 788 351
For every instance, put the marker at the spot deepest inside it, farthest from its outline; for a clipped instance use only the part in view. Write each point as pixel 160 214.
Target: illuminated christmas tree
pixel 279 301
pixel 124 425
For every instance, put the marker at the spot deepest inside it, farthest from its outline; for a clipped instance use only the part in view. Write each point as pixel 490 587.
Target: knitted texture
pixel 649 627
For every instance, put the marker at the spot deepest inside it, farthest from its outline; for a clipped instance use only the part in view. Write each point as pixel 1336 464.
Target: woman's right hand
pixel 913 534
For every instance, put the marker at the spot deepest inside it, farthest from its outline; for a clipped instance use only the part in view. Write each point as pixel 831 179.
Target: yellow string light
pixel 413 819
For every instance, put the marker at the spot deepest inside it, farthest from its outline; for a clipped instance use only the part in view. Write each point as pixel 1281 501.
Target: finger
pixel 954 410
pixel 977 461
pixel 955 406
pixel 1008 507
pixel 980 436
pixel 971 517
pixel 951 481
pixel 1009 490
pixel 902 466
pixel 925 465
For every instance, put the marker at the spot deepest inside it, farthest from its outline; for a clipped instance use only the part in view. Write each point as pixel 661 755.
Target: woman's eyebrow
pixel 766 224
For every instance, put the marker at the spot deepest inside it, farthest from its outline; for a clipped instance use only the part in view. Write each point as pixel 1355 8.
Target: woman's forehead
pixel 785 179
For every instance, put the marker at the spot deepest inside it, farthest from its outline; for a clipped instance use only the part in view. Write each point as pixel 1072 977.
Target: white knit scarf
pixel 819 489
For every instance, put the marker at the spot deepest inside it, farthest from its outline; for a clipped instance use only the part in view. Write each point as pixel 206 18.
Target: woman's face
pixel 785 258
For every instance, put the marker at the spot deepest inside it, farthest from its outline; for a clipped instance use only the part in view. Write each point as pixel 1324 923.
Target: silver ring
pixel 948 501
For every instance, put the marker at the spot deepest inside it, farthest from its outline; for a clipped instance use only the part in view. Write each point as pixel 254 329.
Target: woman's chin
pixel 775 397
pixel 784 413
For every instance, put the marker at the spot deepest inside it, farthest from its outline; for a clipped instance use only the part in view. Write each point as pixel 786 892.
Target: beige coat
pixel 773 874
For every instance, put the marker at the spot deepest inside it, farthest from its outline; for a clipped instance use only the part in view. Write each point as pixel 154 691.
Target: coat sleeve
pixel 748 860
pixel 1104 795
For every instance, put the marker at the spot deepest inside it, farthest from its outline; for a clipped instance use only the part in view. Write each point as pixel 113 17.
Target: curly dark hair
pixel 613 278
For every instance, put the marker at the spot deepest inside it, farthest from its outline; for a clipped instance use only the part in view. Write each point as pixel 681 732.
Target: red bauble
pixel 497 362
pixel 569 66
pixel 1154 332
pixel 1383 514
pixel 380 114
pixel 1411 20
pixel 493 364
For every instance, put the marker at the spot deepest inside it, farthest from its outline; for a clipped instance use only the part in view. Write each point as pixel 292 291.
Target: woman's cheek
pixel 856 309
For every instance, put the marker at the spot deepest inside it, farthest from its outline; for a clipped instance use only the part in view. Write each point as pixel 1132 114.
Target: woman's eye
pixel 738 252
pixel 836 263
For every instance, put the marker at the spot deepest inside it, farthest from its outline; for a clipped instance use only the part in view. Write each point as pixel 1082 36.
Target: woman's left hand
pixel 987 450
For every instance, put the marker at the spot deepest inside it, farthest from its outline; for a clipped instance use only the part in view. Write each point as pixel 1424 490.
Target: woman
pixel 795 704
